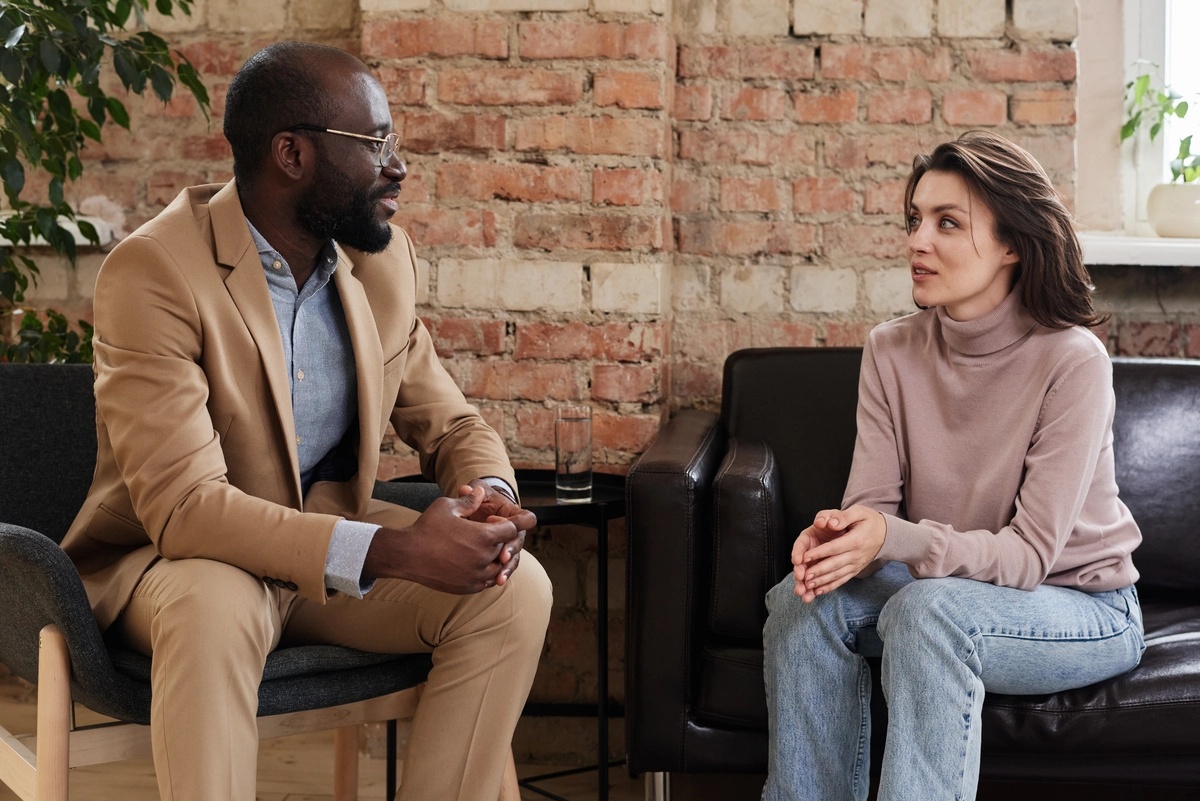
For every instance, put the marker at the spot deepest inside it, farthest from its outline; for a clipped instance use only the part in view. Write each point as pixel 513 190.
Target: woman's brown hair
pixel 1030 219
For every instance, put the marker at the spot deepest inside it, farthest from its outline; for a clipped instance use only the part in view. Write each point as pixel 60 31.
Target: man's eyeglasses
pixel 389 146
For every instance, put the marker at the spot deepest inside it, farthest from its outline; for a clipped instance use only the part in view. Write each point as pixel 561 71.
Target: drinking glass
pixel 573 454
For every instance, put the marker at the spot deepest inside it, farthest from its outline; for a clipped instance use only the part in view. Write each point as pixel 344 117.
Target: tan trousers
pixel 209 626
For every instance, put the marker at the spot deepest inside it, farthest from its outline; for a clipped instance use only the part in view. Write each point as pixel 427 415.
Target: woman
pixel 981 545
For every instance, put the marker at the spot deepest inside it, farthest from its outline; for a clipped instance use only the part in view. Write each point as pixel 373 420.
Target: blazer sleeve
pixel 151 394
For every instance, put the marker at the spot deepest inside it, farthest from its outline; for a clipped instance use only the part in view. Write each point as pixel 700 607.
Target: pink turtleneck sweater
pixel 987 446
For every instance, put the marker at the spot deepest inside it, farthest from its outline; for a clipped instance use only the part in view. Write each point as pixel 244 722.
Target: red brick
pixel 535 427
pixel 210 147
pixel 746 147
pixel 627 187
pixel 164 185
pixel 873 241
pixel 997 66
pixel 504 380
pixel 628 90
pixel 624 432
pixel 975 107
pixel 750 194
pixel 435 132
pixel 846 334
pixel 627 383
pixel 404 87
pixel 884 197
pixel 488 180
pixel 693 102
pixel 443 35
pixel 1193 342
pixel 509 87
pixel 448 226
pixel 857 152
pixel 620 136
pixel 587 232
pixel 822 196
pixel 214 57
pixel 858 62
pixel 1148 339
pixel 626 342
pixel 181 105
pixel 708 62
pixel 713 237
pixel 396 466
pixel 1044 107
pixel 695 380
pixel 782 334
pixel 712 340
pixel 690 193
pixel 910 106
pixel 840 105
pixel 416 187
pixel 542 40
pixel 790 63
pixel 460 335
pixel 756 105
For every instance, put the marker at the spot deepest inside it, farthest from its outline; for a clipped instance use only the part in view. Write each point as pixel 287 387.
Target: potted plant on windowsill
pixel 1173 209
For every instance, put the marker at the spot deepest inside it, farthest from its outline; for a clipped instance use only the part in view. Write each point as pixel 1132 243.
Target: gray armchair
pixel 48 635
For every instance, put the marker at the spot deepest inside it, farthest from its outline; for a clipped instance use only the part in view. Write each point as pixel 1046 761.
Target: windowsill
pixel 104 230
pixel 1145 251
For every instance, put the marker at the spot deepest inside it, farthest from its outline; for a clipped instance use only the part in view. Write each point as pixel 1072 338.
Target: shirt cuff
pixel 502 485
pixel 347 554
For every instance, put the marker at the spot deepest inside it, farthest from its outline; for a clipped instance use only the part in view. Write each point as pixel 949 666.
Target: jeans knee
pixel 922 614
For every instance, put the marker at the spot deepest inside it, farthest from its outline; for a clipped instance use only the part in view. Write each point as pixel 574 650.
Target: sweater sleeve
pixel 1073 426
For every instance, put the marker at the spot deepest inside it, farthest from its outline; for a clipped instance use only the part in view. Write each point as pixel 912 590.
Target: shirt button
pixel 277 264
pixel 300 374
pixel 297 440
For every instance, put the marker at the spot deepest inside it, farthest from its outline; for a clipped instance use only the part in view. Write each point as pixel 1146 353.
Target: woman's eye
pixel 912 222
pixel 948 223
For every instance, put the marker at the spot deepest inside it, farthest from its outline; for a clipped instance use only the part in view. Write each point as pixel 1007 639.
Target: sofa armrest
pixel 748 526
pixel 669 520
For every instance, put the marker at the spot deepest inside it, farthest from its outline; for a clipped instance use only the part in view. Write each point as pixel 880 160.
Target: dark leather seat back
pixel 1156 444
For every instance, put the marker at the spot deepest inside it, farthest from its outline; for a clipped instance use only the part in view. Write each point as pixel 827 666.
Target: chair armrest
pixel 669 520
pixel 749 522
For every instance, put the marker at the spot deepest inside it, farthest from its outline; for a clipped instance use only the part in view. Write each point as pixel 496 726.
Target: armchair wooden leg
pixel 509 789
pixel 658 786
pixel 53 716
pixel 345 764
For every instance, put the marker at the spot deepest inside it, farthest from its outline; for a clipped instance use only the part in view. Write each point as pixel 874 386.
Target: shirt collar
pixel 327 259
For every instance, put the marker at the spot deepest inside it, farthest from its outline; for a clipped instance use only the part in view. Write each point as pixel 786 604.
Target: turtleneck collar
pixel 993 332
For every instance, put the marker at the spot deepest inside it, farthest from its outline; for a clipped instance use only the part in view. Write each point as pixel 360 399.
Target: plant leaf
pixel 15 36
pixel 51 58
pixel 14 176
pixel 160 79
pixel 117 110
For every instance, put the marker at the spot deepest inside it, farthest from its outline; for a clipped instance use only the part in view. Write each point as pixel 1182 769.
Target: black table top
pixel 537 495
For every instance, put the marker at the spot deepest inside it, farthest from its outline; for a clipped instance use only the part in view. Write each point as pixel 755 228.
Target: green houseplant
pixel 52 100
pixel 1171 207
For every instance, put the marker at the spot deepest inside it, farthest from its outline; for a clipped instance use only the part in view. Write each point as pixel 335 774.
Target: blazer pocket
pixel 395 363
pixel 109 525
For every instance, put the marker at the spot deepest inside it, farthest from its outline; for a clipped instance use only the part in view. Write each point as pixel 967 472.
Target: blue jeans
pixel 944 642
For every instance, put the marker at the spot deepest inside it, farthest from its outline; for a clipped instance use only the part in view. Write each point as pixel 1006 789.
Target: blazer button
pixel 291 585
pixel 269 580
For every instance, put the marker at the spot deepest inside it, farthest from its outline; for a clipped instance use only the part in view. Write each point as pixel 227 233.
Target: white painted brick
pixel 827 16
pixel 752 288
pixel 690 287
pixel 238 15
pixel 510 284
pixel 177 22
pixel 53 281
pixel 517 5
pixel 759 17
pixel 394 5
pixel 87 267
pixel 889 290
pixel 1046 19
pixel 631 288
pixel 816 289
pixel 630 6
pixel 696 16
pixel 324 14
pixel 898 18
pixel 971 18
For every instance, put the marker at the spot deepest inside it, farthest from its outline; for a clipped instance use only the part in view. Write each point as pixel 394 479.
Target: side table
pixel 608 503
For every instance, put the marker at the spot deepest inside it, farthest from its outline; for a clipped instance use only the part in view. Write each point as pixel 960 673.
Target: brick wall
pixel 609 196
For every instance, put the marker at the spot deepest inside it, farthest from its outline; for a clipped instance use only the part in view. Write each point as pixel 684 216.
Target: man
pixel 252 343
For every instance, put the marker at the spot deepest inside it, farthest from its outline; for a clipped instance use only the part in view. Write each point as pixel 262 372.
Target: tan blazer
pixel 197 445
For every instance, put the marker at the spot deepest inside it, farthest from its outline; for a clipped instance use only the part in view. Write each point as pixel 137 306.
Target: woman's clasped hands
pixel 839 545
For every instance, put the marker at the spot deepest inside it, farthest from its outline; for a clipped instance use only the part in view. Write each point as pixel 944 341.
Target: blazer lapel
pixel 247 287
pixel 368 360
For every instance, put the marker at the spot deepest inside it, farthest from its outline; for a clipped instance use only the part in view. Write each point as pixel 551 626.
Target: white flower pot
pixel 1174 209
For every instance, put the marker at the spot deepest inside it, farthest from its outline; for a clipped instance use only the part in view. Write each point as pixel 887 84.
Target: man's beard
pixel 333 208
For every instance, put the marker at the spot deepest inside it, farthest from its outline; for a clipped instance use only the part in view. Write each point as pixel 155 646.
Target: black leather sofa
pixel 716 501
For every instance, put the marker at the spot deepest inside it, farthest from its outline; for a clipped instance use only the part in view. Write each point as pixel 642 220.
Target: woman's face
pixel 954 256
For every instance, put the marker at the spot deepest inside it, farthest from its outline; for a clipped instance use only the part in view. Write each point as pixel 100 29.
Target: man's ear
pixel 291 154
